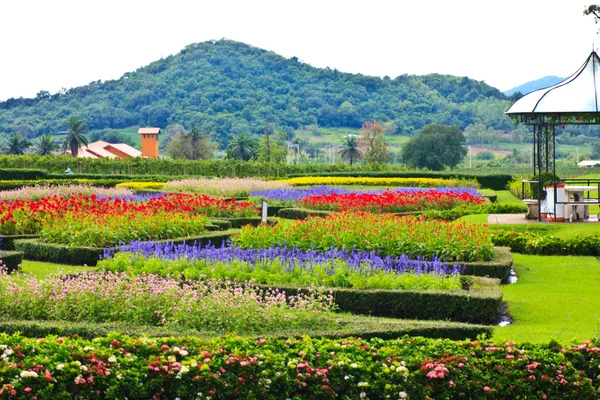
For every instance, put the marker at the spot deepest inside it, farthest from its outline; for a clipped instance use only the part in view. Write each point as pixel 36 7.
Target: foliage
pixel 242 147
pixel 117 366
pixel 192 145
pixel 436 147
pixel 533 243
pixel 350 150
pixel 271 148
pixel 385 233
pixel 15 144
pixel 75 138
pixel 46 145
pixel 227 88
pixel 371 136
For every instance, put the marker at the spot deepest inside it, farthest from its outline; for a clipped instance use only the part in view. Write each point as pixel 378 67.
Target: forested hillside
pixel 227 88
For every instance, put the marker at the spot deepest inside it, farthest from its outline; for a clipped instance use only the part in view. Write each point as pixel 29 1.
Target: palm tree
pixel 242 147
pixel 16 144
pixel 46 145
pixel 75 138
pixel 350 150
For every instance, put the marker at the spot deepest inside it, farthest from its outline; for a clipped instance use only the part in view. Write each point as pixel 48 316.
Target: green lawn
pixel 41 269
pixel 555 297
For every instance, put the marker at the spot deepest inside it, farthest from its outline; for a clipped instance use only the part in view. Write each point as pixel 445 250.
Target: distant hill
pixel 535 85
pixel 228 87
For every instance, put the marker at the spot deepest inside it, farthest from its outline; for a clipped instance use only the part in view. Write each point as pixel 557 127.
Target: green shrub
pixel 498 268
pixel 7 242
pixel 356 326
pixel 531 243
pixel 481 304
pixel 11 174
pixel 301 213
pixel 11 260
pixel 117 367
pixel 33 249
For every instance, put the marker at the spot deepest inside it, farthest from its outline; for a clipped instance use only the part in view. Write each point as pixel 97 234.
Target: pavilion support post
pixel 554 169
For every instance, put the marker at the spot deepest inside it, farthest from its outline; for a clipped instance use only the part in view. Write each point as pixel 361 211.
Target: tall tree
pixel 75 138
pixel 242 147
pixel 271 148
pixel 46 145
pixel 436 147
pixel 350 151
pixel 191 145
pixel 372 138
pixel 16 144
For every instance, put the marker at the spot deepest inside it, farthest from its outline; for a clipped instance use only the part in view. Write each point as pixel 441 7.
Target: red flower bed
pixel 26 216
pixel 390 201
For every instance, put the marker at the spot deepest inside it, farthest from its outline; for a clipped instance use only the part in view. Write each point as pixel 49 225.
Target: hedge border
pixel 385 329
pixel 8 242
pixel 11 259
pixel 33 249
pixel 499 267
pixel 480 305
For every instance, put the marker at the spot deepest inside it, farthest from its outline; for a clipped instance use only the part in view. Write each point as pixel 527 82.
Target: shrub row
pixel 11 260
pixel 301 213
pixel 33 249
pixel 7 242
pixel 118 367
pixel 9 174
pixel 531 243
pixel 16 184
pixel 487 181
pixel 498 268
pixel 355 326
pixel 481 304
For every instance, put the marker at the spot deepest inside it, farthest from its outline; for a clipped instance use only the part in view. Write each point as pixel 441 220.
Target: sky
pixel 49 45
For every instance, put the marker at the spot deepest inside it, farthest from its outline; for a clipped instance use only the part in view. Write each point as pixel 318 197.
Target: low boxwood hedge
pixel 481 304
pixel 357 326
pixel 11 260
pixel 301 213
pixel 532 243
pixel 8 242
pixel 498 268
pixel 118 367
pixel 33 249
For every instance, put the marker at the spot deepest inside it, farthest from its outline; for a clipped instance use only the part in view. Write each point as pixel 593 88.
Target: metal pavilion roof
pixel 574 100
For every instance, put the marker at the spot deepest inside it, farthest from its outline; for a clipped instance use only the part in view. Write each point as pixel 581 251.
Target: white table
pixel 579 206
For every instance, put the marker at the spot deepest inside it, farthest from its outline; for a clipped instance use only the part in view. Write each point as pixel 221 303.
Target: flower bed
pixel 223 187
pixel 391 201
pixel 287 266
pixel 212 306
pixel 31 217
pixel 117 367
pixel 390 235
pixel 366 181
pixel 41 191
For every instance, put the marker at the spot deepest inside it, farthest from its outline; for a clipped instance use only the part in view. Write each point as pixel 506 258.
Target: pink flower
pixel 486 388
pixel 451 383
pixel 27 389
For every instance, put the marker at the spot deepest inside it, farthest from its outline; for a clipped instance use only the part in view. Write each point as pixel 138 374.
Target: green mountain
pixel 535 85
pixel 227 88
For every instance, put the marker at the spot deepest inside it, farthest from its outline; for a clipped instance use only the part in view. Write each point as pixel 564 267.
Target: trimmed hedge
pixel 33 249
pixel 301 213
pixel 487 181
pixel 481 304
pixel 357 326
pixel 118 367
pixel 9 174
pixel 531 243
pixel 8 242
pixel 498 268
pixel 17 184
pixel 11 260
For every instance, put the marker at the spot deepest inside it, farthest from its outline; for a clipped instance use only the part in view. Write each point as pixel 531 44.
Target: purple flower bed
pixel 295 194
pixel 141 197
pixel 360 261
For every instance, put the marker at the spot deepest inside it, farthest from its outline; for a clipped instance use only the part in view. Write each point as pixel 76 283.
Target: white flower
pixel 112 359
pixel 29 374
pixel 363 395
pixel 403 395
pixel 184 369
pixel 184 352
pixel 267 382
pixel 83 368
pixel 363 384
pixel 8 352
pixel 60 367
pixel 354 365
pixel 88 348
pixel 3 346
